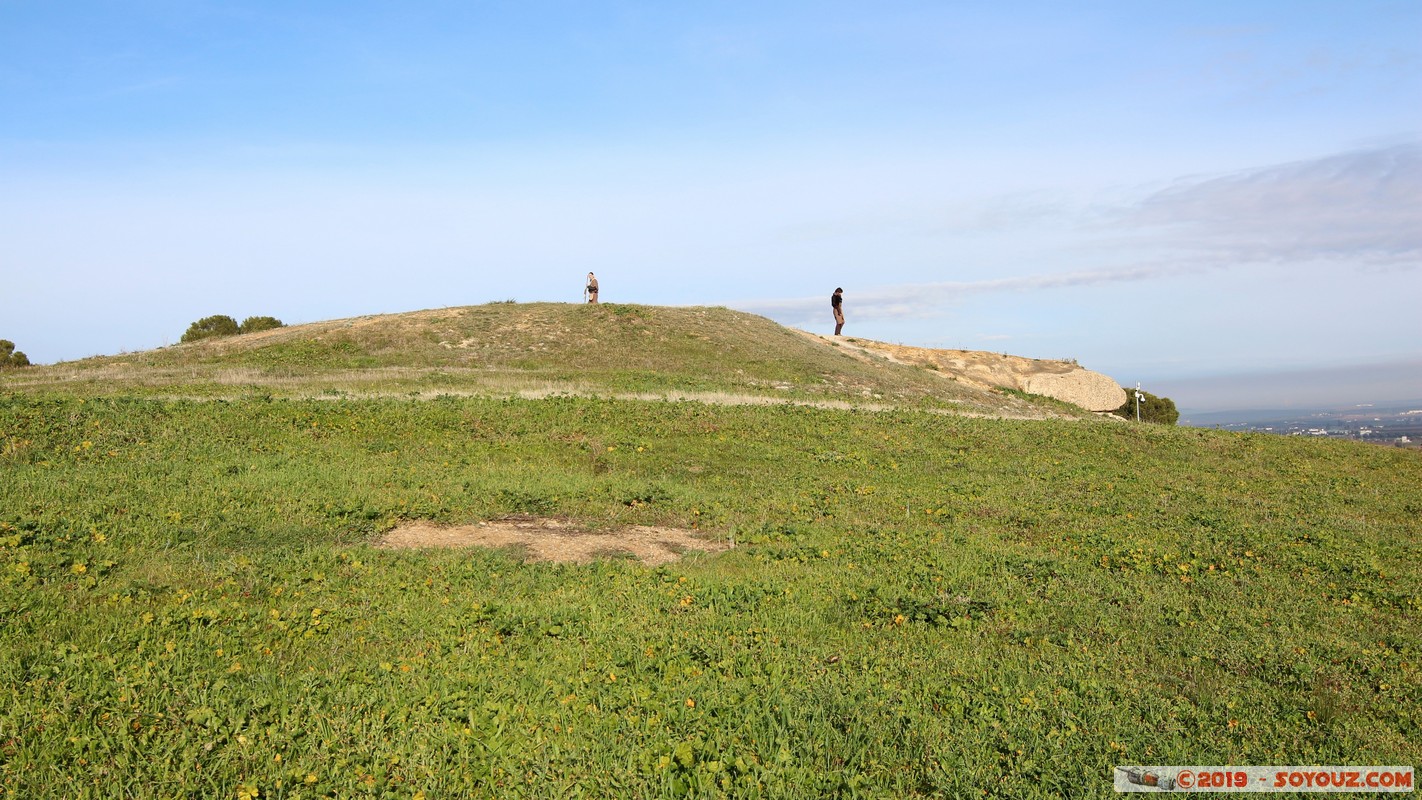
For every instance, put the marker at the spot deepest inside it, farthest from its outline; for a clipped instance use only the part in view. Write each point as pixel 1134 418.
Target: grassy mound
pixel 531 349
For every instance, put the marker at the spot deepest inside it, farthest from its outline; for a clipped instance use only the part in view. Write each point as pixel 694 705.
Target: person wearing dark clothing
pixel 837 304
pixel 590 291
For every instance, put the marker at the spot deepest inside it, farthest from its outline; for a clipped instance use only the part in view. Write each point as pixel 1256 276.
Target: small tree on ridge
pixel 254 324
pixel 208 327
pixel 10 357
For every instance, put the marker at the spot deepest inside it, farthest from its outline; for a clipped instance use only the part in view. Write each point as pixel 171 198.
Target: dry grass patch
pixel 546 539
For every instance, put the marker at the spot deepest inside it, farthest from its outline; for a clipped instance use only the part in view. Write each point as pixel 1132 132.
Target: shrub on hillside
pixel 254 324
pixel 1160 410
pixel 208 327
pixel 10 357
pixel 223 325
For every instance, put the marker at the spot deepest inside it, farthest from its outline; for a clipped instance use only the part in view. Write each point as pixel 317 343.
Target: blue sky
pixel 1173 193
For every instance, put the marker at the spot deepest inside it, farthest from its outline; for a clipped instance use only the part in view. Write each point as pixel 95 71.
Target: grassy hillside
pixel 539 348
pixel 917 604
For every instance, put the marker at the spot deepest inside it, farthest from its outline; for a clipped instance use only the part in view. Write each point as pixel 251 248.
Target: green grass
pixel 917 605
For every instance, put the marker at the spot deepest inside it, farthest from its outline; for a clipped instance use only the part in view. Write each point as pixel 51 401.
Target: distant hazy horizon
pixel 1380 384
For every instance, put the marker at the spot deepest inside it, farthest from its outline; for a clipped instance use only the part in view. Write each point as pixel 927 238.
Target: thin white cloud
pixel 927 299
pixel 1363 207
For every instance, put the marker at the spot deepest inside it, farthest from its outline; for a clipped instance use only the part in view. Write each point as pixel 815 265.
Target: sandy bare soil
pixel 1063 380
pixel 544 539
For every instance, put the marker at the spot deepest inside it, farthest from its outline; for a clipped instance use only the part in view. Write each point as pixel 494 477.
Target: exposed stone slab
pixel 1061 380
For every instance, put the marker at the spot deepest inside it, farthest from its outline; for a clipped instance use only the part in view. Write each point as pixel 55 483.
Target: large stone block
pixel 1090 390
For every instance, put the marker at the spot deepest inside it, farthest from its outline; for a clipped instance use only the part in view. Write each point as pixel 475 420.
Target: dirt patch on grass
pixel 544 539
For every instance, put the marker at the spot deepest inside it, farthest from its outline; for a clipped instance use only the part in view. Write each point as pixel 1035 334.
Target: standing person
pixel 591 290
pixel 837 304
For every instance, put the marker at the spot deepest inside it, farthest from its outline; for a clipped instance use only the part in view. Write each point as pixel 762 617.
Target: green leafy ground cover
pixel 917 604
